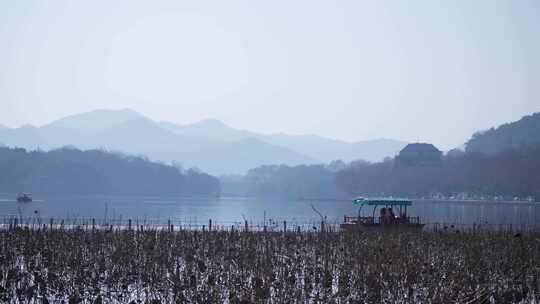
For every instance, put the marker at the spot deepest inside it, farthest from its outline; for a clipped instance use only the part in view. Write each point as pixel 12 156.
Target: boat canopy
pixel 381 201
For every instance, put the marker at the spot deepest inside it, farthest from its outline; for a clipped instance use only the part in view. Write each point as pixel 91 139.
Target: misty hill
pixel 524 132
pixel 209 144
pixel 92 122
pixel 72 171
pixel 326 149
pixel 210 129
pixel 315 147
pixel 130 132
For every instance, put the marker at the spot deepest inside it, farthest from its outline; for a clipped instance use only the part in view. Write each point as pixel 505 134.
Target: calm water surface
pixel 227 211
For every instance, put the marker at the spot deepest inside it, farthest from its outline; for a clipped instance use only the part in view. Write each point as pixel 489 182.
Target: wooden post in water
pixel 284 226
pixel 210 225
pixel 129 224
pixel 51 223
pixel 93 224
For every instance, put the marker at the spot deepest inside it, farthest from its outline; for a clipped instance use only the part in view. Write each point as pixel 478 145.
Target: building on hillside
pixel 419 155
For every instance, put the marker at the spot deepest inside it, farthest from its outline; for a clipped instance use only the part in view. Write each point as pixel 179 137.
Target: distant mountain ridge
pixel 95 121
pixel 210 129
pixel 327 149
pixel 209 144
pixel 316 147
pixel 525 131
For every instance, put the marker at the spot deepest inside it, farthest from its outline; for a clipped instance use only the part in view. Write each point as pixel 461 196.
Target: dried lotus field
pixel 154 266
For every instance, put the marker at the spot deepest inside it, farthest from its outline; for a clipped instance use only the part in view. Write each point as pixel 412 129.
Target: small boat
pixel 24 197
pixel 386 220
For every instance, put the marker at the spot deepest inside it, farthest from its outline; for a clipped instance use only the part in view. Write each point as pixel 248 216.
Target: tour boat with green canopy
pixel 392 215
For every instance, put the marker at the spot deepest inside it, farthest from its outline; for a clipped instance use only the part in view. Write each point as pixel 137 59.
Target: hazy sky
pixel 431 71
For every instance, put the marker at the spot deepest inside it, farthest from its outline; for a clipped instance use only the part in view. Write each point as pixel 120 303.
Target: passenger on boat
pixel 391 215
pixel 387 216
pixel 382 217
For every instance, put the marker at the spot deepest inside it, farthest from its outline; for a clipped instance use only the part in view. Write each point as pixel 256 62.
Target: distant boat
pixel 24 197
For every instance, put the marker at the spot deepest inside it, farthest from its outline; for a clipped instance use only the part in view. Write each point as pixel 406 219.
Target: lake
pixel 228 211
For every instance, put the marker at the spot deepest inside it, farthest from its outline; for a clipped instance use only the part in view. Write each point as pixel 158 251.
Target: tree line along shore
pixel 511 173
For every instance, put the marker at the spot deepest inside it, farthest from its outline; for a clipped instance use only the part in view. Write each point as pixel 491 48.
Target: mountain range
pixel 210 145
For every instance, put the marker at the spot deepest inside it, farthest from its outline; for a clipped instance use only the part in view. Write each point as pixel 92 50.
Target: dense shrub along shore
pixel 127 266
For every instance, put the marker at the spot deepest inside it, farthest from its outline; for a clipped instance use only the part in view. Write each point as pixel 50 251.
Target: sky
pixel 429 71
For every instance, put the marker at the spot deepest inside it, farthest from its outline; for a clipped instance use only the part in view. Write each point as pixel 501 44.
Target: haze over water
pixel 229 211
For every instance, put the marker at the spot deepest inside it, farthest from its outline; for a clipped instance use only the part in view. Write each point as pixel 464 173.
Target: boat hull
pixel 378 227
